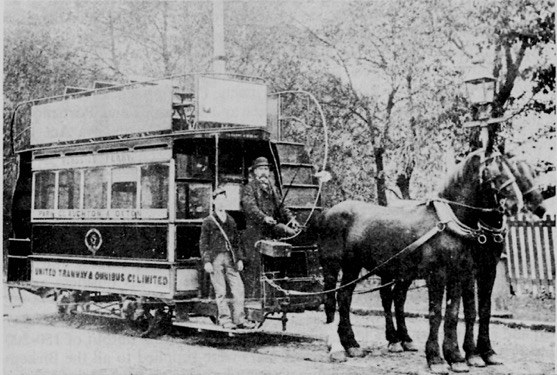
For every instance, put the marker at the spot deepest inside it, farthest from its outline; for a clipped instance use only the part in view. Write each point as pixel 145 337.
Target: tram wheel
pixel 157 323
pixel 145 320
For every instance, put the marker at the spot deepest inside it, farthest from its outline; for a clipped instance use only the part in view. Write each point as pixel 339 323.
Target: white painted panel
pixel 232 102
pixel 101 277
pixel 102 160
pixel 101 214
pixel 186 280
pixel 137 110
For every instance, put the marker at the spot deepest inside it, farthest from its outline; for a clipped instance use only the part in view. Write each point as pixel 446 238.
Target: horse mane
pixel 460 172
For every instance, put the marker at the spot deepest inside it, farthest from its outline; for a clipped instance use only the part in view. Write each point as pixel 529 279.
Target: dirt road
pixel 36 341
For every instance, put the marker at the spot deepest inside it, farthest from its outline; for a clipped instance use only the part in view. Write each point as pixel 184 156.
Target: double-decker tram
pixel 115 182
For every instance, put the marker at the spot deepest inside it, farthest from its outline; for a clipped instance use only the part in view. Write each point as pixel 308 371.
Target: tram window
pixel 69 184
pixel 154 186
pixel 193 201
pixel 44 190
pixel 124 188
pixel 193 166
pixel 95 188
pixel 231 162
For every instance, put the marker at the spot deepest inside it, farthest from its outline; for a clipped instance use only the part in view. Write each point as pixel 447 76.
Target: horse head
pixel 525 179
pixel 499 184
pixel 482 183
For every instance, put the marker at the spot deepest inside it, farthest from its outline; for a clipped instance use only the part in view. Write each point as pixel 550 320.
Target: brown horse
pixel 405 244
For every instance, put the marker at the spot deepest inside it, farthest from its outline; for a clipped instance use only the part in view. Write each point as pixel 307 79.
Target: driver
pixel 266 217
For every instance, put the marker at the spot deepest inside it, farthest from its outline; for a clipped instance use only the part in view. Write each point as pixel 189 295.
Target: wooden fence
pixel 531 256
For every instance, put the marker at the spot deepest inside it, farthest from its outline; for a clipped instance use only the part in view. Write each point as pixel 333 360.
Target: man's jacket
pixel 213 242
pixel 259 201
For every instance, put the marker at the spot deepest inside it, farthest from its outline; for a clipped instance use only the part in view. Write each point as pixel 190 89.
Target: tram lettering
pixel 148 279
pixel 110 276
pixel 45 272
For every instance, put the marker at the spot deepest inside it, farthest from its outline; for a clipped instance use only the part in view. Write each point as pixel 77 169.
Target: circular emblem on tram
pixel 93 240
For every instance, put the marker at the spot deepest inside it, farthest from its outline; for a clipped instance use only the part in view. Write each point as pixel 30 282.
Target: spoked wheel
pixel 67 302
pixel 146 318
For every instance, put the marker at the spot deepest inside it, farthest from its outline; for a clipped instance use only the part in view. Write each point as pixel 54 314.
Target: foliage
pixel 388 73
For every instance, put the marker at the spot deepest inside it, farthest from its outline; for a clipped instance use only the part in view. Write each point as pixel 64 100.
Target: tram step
pixel 200 327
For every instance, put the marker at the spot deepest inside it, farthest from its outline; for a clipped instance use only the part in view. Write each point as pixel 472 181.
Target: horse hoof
pixel 475 361
pixel 395 347
pixel 491 360
pixel 355 352
pixel 459 367
pixel 439 368
pixel 409 346
pixel 337 357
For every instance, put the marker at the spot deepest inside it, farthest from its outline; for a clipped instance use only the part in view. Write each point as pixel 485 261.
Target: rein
pixel 447 220
pixel 413 246
pixel 481 209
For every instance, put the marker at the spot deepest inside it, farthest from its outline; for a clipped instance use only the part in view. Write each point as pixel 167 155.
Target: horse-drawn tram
pixel 115 183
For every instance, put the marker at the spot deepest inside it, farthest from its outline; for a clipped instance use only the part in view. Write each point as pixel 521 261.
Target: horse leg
pixel 436 288
pixel 390 331
pixel 486 279
pixel 451 351
pixel 331 269
pixel 469 307
pixel 345 331
pixel 400 292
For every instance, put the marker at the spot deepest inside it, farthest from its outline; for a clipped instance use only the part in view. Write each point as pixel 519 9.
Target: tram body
pixel 113 189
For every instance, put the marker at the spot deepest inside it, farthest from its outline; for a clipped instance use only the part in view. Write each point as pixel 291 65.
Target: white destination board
pixel 100 160
pixel 232 102
pixel 136 110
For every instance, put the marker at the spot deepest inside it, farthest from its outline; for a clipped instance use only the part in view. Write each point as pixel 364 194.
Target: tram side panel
pixel 100 222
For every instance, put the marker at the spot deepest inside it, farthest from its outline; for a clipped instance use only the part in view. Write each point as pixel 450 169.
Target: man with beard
pixel 266 218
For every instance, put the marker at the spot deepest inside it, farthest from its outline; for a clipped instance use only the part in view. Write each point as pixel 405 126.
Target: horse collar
pixel 448 218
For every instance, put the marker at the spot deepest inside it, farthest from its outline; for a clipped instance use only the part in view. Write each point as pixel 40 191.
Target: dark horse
pixel 486 257
pixel 486 254
pixel 402 244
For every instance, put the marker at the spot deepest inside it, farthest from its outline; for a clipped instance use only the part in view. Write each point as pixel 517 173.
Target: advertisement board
pixel 102 277
pixel 232 102
pixel 129 111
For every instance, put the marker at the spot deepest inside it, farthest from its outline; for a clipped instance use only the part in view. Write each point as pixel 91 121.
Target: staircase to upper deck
pixel 299 186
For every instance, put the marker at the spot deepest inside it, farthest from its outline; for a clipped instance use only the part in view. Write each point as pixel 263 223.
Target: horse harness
pixel 447 221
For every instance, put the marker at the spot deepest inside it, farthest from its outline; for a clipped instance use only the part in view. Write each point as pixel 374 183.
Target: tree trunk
pixel 380 177
pixel 403 181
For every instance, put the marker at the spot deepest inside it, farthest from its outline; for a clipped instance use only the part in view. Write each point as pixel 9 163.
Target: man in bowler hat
pixel 266 218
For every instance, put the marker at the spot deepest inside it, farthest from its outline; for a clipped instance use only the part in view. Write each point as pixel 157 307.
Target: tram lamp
pixel 481 93
pixel 481 90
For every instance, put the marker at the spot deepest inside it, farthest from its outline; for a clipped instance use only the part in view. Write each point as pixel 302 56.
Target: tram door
pixel 201 164
pixel 19 247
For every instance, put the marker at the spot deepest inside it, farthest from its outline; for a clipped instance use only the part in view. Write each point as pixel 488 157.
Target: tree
pixel 518 38
pixel 147 38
